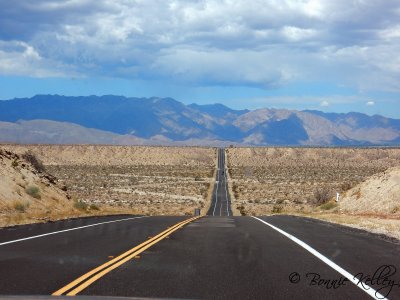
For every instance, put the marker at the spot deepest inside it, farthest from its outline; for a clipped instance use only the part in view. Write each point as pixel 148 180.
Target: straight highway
pixel 220 200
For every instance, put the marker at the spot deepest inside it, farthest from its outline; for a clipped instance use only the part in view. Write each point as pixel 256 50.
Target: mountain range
pixel 129 121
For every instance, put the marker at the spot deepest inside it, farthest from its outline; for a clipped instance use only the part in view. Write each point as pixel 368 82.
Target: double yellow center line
pixel 87 279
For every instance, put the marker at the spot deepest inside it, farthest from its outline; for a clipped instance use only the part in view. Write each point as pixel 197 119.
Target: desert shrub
pixel 345 186
pixel 33 191
pixel 94 207
pixel 242 210
pixel 79 204
pixel 322 195
pixel 277 208
pixel 357 194
pixel 197 178
pixel 20 206
pixel 235 191
pixel 14 163
pixel 34 161
pixel 328 205
pixel 395 209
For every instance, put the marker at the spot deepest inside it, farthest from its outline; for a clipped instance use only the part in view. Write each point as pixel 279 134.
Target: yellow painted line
pixel 116 262
pixel 87 275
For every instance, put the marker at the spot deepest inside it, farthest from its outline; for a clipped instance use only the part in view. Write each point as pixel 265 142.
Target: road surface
pixel 210 257
pixel 220 201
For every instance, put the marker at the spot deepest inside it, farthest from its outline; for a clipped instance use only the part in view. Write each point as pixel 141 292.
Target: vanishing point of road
pixel 217 256
pixel 220 201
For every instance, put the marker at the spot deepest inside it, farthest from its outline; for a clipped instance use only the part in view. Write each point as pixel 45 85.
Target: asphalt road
pixel 44 264
pixel 209 258
pixel 220 201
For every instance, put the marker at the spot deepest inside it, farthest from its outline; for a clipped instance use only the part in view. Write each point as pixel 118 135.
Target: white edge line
pixel 369 290
pixel 216 198
pixel 220 209
pixel 222 168
pixel 226 196
pixel 226 189
pixel 65 230
pixel 216 190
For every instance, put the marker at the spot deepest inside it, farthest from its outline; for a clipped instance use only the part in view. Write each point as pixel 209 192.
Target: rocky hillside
pixel 121 120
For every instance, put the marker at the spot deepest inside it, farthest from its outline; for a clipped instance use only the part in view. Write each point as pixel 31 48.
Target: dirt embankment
pixel 27 194
pixel 379 194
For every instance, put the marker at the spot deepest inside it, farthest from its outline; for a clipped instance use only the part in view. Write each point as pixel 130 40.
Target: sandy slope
pixel 17 176
pixel 380 194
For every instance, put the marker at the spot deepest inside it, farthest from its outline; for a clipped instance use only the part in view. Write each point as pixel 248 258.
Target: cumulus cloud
pixel 212 42
pixel 370 103
pixel 20 58
pixel 324 103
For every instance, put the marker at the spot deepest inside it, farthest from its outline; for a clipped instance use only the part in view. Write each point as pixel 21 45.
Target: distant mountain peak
pixel 176 122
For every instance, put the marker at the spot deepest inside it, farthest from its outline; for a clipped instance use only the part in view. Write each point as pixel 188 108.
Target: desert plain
pixel 84 180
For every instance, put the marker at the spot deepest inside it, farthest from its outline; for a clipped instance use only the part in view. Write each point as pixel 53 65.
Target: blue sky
pixel 329 55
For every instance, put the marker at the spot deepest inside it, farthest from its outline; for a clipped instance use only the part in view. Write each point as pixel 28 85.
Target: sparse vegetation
pixel 34 161
pixel 242 210
pixel 302 177
pixel 80 205
pixel 322 195
pixel 277 209
pixel 107 180
pixel 14 163
pixel 154 180
pixel 20 206
pixel 33 191
pixel 94 207
pixel 328 205
pixel 345 186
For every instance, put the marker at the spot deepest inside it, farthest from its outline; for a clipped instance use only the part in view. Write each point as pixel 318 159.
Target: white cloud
pixel 20 58
pixel 267 43
pixel 370 103
pixel 390 33
pixel 224 67
pixel 324 103
pixel 297 34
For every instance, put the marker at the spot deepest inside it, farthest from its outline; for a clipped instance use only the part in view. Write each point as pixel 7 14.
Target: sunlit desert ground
pixel 142 180
pixel 305 181
pixel 263 177
pixel 100 180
